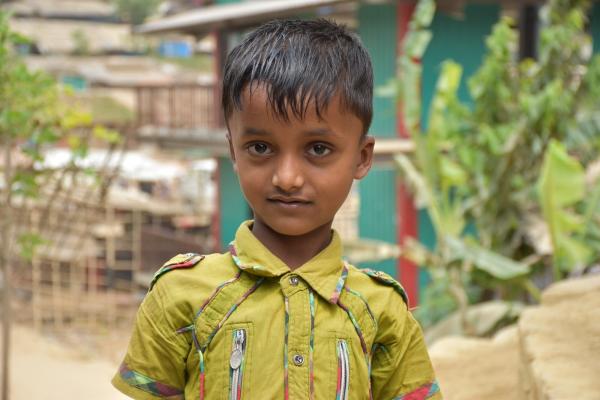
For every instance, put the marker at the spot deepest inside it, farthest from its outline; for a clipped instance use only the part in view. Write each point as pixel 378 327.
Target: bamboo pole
pixel 5 258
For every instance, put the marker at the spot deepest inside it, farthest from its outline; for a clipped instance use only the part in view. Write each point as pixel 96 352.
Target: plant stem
pixel 532 289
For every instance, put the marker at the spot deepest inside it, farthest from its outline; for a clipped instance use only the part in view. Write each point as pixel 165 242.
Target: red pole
pixel 408 272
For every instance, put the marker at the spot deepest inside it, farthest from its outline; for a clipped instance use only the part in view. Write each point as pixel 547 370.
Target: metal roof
pixel 233 15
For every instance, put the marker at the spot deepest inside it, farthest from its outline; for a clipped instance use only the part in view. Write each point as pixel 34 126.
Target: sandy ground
pixel 44 369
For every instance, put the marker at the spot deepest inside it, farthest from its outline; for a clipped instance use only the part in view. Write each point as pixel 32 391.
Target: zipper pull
pixel 237 353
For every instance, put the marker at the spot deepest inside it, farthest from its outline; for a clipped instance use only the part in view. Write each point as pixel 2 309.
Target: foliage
pixel 103 109
pixel 196 63
pixel 81 43
pixel 135 11
pixel 562 185
pixel 491 174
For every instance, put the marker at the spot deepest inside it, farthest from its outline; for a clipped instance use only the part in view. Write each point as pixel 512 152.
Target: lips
pixel 289 202
pixel 286 199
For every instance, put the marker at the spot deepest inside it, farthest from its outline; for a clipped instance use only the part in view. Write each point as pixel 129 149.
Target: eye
pixel 319 150
pixel 259 149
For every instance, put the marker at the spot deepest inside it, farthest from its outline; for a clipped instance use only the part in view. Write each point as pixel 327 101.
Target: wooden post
pixel 5 260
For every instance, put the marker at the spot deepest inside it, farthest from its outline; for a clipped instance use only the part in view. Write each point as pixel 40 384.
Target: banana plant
pixel 561 187
pixel 483 171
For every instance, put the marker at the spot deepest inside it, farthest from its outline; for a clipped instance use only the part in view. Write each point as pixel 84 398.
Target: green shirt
pixel 242 325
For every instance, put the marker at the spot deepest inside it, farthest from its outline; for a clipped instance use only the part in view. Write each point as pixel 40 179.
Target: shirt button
pixel 294 280
pixel 298 360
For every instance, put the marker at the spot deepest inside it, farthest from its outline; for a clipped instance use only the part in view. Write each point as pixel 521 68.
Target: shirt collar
pixel 325 272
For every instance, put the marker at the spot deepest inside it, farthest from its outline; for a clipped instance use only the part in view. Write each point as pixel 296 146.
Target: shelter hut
pixel 97 257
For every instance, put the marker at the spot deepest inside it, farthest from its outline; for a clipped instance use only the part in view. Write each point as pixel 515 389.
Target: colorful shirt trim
pixel 363 343
pixel 148 384
pixel 188 260
pixel 369 311
pixel 311 372
pixel 386 280
pixel 340 285
pixel 286 388
pixel 421 393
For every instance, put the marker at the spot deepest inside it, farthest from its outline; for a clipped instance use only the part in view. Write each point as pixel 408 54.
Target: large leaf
pixel 445 94
pixel 561 186
pixel 497 265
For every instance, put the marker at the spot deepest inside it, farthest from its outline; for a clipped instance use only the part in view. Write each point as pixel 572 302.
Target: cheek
pixel 336 186
pixel 251 179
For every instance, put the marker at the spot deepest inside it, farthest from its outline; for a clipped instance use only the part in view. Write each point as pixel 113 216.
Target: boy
pixel 281 316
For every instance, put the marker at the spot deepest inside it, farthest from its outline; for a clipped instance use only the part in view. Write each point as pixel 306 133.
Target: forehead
pixel 257 109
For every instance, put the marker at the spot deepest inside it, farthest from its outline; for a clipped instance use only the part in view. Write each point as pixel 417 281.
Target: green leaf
pixel 445 96
pixel 424 14
pixel 497 265
pixel 25 184
pixel 107 135
pixel 573 253
pixel 412 176
pixel 76 119
pixel 562 185
pixel 416 46
pixel 562 182
pixel 28 244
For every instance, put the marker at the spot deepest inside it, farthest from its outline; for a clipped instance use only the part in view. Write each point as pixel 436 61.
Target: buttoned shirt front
pixel 242 325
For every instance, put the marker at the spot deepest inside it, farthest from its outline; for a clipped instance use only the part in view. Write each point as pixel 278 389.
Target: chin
pixel 292 228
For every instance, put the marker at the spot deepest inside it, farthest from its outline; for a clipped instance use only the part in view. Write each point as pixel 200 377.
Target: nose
pixel 288 174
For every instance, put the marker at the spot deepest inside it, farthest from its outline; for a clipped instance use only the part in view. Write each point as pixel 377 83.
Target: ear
pixel 367 144
pixel 232 153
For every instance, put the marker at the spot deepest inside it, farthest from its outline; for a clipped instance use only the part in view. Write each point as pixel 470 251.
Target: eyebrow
pixel 319 132
pixel 249 131
pixel 255 132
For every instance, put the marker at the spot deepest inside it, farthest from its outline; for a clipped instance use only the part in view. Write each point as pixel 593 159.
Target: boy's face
pixel 296 174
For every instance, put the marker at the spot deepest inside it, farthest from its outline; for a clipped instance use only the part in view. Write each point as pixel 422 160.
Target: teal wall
pixel 232 205
pixel 595 26
pixel 462 40
pixel 377 26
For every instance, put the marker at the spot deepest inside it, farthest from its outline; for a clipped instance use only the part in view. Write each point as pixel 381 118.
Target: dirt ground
pixel 45 369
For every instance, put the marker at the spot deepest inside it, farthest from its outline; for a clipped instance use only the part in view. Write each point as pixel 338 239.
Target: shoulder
pixel 193 269
pixel 372 281
pixel 184 282
pixel 180 261
pixel 190 277
pixel 387 300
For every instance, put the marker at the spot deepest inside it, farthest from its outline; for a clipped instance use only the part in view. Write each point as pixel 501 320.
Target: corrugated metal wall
pixel 377 26
pixel 232 205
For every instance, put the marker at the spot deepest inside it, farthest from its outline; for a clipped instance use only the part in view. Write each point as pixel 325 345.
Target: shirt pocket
pixel 238 362
pixel 348 372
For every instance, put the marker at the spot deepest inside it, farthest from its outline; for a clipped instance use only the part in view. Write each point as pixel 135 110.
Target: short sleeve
pixel 401 368
pixel 154 365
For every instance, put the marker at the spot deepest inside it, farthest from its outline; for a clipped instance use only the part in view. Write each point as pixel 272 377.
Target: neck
pixel 294 251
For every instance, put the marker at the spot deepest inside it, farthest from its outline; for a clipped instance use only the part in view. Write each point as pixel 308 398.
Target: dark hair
pixel 301 62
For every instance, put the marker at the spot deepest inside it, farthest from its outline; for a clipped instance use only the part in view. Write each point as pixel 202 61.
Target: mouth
pixel 289 202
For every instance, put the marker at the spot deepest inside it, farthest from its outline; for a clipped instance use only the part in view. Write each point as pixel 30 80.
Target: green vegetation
pixel 103 109
pixel 135 11
pixel 81 43
pixel 508 182
pixel 196 63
